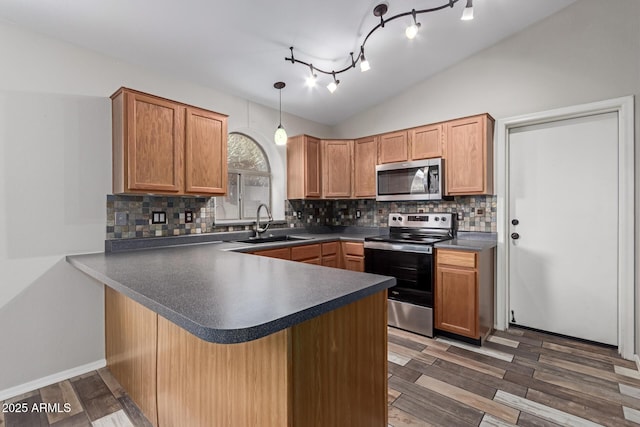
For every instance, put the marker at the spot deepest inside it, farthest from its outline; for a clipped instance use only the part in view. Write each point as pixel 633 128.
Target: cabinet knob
pixel 515 236
pixel 515 222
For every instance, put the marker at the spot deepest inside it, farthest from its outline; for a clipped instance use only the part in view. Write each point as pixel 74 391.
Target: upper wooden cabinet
pixel 337 168
pixel 365 155
pixel 303 167
pixel 164 147
pixel 206 145
pixel 393 147
pixel 426 142
pixel 469 156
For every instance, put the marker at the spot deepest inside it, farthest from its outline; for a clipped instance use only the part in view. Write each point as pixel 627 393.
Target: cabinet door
pixel 205 152
pixel 155 144
pixel 393 147
pixel 469 152
pixel 456 307
pixel 354 263
pixel 303 167
pixel 330 261
pixel 336 168
pixel 281 253
pixel 426 142
pixel 306 252
pixel 365 153
pixel 312 175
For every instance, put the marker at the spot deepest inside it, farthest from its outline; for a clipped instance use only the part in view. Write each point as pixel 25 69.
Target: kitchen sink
pixel 270 239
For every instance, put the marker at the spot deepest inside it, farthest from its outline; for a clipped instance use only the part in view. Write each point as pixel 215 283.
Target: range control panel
pixel 421 220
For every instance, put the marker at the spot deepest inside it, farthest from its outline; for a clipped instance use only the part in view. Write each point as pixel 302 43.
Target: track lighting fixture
pixel 412 30
pixel 379 11
pixel 467 13
pixel 280 137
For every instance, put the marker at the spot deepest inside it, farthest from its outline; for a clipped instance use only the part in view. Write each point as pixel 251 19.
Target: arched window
pixel 249 180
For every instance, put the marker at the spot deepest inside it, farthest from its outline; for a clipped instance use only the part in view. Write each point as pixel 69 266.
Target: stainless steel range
pixel 406 253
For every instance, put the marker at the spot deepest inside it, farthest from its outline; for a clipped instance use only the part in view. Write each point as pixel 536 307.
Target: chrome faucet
pixel 259 229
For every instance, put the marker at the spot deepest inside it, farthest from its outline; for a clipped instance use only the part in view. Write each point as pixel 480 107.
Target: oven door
pixel 413 272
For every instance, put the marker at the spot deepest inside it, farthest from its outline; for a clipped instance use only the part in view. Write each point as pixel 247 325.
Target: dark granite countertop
pixel 470 241
pixel 209 288
pixel 227 297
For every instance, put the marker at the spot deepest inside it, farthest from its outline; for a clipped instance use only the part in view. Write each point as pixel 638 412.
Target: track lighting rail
pixel 379 10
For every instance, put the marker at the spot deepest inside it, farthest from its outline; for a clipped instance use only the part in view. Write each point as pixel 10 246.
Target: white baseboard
pixel 51 379
pixel 637 360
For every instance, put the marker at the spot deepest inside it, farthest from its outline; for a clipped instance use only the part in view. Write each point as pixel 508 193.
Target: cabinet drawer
pixel 329 248
pixel 299 253
pixel 457 258
pixel 353 248
pixel 282 253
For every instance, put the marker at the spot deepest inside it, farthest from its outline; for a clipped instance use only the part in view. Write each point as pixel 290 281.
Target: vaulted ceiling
pixel 239 46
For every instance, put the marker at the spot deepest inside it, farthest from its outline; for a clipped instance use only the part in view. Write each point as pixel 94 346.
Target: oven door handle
pixel 399 247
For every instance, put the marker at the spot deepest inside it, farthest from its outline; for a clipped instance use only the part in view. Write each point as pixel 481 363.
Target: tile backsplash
pixel 479 214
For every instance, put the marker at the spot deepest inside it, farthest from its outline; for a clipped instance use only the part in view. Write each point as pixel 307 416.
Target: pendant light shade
pixel 280 137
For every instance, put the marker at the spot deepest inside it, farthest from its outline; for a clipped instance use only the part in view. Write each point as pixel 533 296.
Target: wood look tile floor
pixel 518 377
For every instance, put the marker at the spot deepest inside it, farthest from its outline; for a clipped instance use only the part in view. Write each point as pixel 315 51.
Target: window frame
pixel 242 173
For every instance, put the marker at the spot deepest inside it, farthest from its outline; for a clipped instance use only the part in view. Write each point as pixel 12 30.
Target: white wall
pixel 55 172
pixel 588 52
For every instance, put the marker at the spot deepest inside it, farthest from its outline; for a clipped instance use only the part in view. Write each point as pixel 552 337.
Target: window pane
pixel 227 207
pixel 243 153
pixel 255 191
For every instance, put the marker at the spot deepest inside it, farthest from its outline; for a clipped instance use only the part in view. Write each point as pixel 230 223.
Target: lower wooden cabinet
pixel 330 252
pixel 281 253
pixel 463 302
pixel 353 256
pixel 346 255
pixel 310 254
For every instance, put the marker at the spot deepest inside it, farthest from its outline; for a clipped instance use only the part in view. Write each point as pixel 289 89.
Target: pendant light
pixel 280 137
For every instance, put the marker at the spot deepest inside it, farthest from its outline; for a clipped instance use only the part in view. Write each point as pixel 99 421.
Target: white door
pixel 563 194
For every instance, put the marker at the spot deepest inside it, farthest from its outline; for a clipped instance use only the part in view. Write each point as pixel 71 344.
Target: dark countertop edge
pixel 124 245
pixel 234 336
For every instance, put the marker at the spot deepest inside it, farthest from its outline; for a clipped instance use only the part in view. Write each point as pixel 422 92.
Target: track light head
pixel 412 30
pixel 364 63
pixel 333 85
pixel 467 13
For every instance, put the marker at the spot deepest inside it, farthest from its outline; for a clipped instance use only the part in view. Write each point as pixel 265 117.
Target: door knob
pixel 515 236
pixel 515 222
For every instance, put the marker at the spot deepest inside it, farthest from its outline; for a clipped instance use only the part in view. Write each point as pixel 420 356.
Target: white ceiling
pixel 239 46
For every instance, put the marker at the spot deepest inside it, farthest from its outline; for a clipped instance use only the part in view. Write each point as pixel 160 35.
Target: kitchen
pixel 529 72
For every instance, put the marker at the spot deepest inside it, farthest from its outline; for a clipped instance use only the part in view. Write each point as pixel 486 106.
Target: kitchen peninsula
pixel 202 336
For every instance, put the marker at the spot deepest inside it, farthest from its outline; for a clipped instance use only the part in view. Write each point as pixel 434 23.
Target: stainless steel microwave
pixel 417 180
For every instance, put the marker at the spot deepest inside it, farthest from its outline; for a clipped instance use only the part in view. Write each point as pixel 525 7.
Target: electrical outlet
pixel 479 211
pixel 358 213
pixel 299 214
pixel 460 216
pixel 122 218
pixel 188 216
pixel 158 218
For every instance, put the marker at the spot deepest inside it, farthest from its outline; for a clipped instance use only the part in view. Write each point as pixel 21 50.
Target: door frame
pixel 624 106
